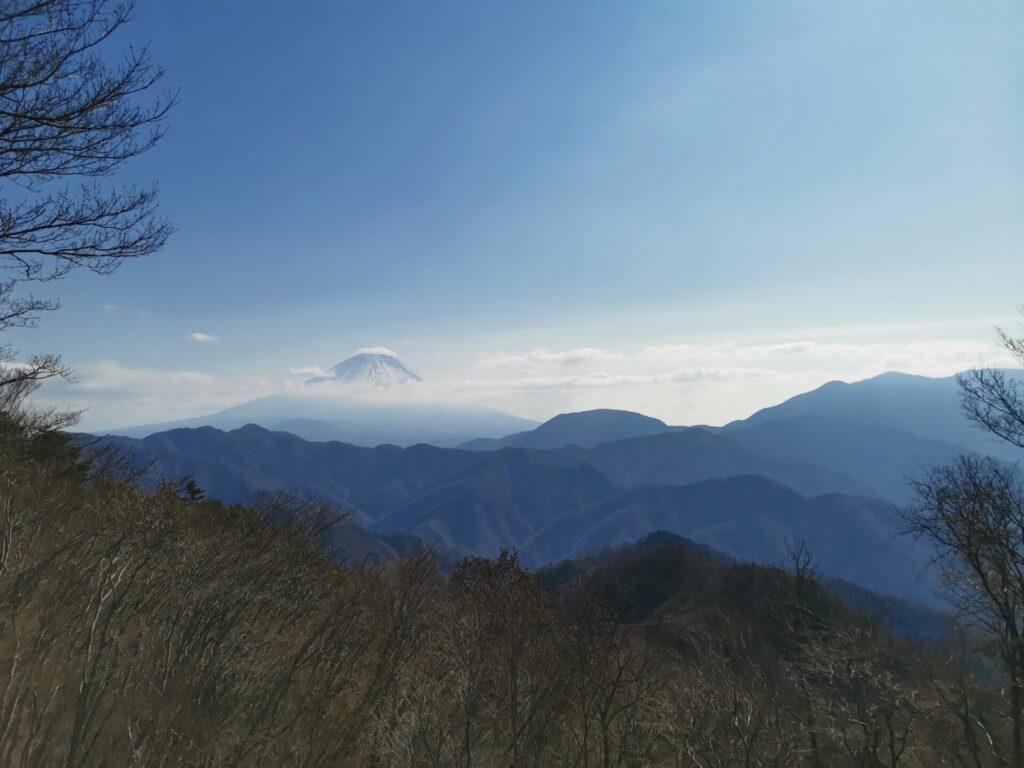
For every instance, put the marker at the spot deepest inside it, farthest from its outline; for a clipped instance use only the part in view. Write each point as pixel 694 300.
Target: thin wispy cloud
pixel 309 370
pixel 115 395
pixel 933 357
pixel 203 338
pixel 606 380
pixel 707 382
pixel 375 351
pixel 545 357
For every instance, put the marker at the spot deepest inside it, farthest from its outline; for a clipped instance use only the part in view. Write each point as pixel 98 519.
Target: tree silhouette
pixel 68 119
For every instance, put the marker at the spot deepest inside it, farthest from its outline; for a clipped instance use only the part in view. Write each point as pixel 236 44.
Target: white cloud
pixel 721 374
pixel 115 395
pixel 203 338
pixel 605 380
pixel 939 357
pixel 309 370
pixel 375 351
pixel 685 383
pixel 545 357
pixel 715 381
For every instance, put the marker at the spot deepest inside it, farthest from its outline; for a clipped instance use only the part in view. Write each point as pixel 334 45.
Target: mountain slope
pixel 755 519
pixel 664 576
pixel 585 429
pixel 232 465
pixel 868 437
pixel 690 455
pixel 882 460
pixel 923 406
pixel 500 502
pixel 554 503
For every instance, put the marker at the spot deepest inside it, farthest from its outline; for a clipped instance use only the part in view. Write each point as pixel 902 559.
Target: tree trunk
pixel 1017 757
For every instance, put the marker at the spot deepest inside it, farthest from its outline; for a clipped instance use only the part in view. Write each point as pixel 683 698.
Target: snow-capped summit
pixel 377 367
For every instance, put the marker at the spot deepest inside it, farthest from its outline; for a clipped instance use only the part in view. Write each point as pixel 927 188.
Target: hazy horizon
pixel 578 389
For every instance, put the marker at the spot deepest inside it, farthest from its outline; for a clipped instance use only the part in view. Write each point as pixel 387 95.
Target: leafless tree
pixel 993 400
pixel 966 726
pixel 613 680
pixel 721 708
pixel 68 118
pixel 973 513
pixel 514 675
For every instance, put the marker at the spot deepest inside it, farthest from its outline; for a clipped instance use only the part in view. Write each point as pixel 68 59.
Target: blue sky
pixel 487 187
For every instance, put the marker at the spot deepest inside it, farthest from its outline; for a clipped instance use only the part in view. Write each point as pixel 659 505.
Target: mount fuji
pixel 368 399
pixel 376 367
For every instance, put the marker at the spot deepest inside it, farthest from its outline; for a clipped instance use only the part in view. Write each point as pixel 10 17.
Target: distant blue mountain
pixel 350 419
pixel 916 405
pixel 881 459
pixel 753 519
pixel 500 502
pixel 868 437
pixel 371 398
pixel 823 467
pixel 553 503
pixel 691 455
pixel 585 429
pixel 234 464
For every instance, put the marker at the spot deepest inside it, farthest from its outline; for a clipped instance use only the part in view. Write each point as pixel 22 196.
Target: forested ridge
pixel 156 628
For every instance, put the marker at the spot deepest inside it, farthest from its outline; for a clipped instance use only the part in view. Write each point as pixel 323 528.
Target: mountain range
pixel 917 405
pixel 554 504
pixel 875 433
pixel 828 468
